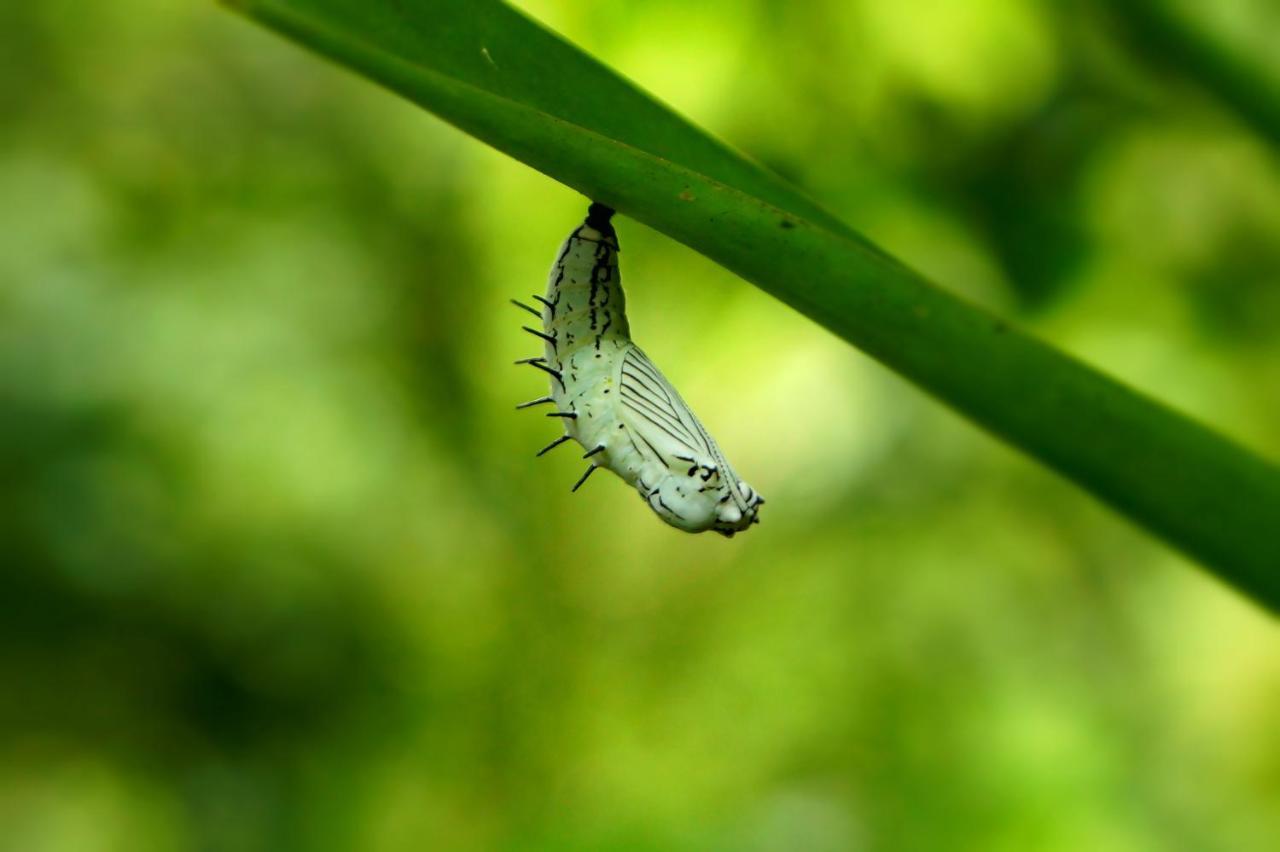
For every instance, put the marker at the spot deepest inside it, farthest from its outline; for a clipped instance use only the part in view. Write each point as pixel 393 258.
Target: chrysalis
pixel 615 403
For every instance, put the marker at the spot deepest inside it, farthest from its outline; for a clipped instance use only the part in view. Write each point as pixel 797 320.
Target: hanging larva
pixel 613 401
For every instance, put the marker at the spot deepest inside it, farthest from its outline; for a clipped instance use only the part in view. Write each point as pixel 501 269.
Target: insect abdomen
pixel 584 331
pixel 585 305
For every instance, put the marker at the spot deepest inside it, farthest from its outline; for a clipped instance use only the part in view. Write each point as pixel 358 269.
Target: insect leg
pixel 599 449
pixel 571 415
pixel 535 360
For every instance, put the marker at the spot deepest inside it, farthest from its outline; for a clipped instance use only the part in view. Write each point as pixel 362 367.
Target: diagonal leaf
pixel 498 76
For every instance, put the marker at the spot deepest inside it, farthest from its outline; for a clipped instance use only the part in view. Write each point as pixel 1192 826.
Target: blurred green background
pixel 279 570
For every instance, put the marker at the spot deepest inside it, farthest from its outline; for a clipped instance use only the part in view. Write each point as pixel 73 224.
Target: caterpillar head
pixel 697 503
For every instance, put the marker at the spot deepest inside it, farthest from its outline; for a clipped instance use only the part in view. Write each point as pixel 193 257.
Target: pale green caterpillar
pixel 614 401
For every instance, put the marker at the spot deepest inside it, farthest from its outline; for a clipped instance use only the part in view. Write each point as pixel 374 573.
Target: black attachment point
pixel 598 216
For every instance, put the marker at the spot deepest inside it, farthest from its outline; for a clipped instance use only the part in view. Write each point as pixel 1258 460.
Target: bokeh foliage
pixel 280 572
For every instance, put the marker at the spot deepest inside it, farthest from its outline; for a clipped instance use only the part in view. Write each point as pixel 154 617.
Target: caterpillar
pixel 614 402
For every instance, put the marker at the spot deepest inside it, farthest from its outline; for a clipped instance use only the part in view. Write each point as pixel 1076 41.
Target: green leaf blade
pixel 503 79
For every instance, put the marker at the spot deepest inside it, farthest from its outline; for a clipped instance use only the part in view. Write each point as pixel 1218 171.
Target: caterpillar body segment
pixel 616 403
